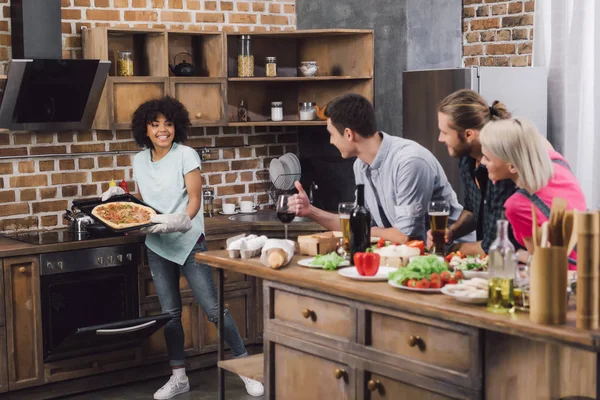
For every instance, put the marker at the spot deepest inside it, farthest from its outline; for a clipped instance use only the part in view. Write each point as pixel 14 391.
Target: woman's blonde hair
pixel 467 109
pixel 518 142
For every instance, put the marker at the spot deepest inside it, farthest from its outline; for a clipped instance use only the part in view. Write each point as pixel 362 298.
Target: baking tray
pixel 86 206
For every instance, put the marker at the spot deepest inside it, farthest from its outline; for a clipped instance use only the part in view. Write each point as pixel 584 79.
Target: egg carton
pixel 239 253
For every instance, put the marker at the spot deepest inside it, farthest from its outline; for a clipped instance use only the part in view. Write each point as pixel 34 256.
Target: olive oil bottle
pixel 502 266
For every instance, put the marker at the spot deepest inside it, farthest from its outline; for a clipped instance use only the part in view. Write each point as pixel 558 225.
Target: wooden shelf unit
pixel 251 367
pixel 345 58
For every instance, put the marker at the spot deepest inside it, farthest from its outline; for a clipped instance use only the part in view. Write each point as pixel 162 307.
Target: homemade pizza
pixel 123 214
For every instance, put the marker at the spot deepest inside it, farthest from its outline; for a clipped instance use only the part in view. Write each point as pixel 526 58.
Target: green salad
pixel 328 261
pixel 418 268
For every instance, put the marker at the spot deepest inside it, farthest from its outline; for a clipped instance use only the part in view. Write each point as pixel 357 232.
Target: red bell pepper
pixel 419 244
pixel 367 264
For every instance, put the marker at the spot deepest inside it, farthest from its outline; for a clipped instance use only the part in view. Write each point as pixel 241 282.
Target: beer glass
pixel 439 211
pixel 344 210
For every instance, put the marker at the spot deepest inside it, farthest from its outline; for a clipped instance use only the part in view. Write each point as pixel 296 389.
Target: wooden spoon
pixel 570 230
pixel 559 207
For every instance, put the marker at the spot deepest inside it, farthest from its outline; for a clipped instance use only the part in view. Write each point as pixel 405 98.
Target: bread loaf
pixel 276 258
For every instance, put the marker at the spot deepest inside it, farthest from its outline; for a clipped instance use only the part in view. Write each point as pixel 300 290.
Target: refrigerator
pixel 522 89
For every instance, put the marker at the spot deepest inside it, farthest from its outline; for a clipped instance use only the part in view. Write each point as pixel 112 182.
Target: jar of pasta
pixel 125 64
pixel 271 66
pixel 245 57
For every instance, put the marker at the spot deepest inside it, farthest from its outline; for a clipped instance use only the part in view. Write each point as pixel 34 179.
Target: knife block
pixel 548 285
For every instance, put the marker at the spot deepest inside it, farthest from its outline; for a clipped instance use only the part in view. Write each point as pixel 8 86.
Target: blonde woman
pixel 514 149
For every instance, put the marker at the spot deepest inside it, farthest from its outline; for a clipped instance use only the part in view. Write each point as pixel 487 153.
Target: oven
pixel 90 302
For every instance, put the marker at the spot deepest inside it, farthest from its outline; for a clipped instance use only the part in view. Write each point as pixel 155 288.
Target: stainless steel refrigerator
pixel 522 89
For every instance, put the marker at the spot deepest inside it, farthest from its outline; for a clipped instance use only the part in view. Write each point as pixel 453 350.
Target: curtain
pixel 567 42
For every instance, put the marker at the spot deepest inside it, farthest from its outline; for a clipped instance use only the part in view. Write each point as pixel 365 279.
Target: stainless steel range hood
pixel 52 95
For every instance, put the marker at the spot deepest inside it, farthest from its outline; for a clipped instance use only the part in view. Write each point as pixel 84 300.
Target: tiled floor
pixel 203 387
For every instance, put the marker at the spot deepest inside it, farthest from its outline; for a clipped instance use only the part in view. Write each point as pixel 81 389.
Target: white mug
pixel 228 208
pixel 246 206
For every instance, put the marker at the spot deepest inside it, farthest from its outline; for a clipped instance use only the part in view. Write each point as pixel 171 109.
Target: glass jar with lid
pixel 124 63
pixel 245 57
pixel 307 111
pixel 271 66
pixel 277 111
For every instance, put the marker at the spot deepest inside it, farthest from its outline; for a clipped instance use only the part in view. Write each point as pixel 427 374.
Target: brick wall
pixel 497 32
pixel 35 191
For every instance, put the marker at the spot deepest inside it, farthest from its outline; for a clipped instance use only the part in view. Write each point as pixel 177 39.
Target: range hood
pixel 44 92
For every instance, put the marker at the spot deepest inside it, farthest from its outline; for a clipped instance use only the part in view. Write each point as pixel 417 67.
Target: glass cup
pixel 439 211
pixel 521 287
pixel 345 210
pixel 285 213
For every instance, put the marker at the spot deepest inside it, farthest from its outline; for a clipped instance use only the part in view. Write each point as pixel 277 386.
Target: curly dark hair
pixel 146 113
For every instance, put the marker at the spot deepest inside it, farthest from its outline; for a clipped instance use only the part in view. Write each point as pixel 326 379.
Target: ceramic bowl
pixel 308 68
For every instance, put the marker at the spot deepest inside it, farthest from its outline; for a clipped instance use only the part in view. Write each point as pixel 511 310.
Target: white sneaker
pixel 254 388
pixel 172 388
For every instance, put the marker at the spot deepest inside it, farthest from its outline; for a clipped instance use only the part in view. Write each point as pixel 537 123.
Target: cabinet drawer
pixel 430 347
pixel 299 375
pixel 318 316
pixel 379 387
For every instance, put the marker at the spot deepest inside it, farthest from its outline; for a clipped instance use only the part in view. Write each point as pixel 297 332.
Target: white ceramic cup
pixel 228 208
pixel 246 206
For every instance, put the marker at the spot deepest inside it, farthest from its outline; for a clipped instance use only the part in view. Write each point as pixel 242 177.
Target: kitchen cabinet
pixel 240 306
pixel 3 361
pixel 212 95
pixel 23 321
pixel 155 349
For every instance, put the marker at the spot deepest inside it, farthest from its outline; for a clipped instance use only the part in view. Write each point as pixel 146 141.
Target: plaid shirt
pixel 491 205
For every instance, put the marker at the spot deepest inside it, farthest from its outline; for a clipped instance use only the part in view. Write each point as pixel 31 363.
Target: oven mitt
pixel 112 191
pixel 167 223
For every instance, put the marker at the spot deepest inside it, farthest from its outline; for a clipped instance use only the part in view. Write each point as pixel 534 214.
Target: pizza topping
pixel 123 213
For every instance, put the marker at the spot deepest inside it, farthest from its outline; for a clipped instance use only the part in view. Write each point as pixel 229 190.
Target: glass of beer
pixel 438 220
pixel 345 209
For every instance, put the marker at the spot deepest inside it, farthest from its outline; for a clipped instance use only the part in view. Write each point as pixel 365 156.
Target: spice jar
pixel 125 64
pixel 245 57
pixel 277 111
pixel 307 111
pixel 270 66
pixel 208 198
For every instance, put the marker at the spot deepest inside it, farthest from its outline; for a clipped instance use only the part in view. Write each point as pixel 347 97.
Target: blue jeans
pixel 165 275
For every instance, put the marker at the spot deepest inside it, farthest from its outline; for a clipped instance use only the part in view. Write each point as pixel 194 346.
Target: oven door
pixel 93 311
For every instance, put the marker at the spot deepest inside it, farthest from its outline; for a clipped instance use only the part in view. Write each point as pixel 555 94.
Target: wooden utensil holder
pixel 588 270
pixel 548 285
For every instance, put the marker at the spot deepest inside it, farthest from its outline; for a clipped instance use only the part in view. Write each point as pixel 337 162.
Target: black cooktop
pixel 48 237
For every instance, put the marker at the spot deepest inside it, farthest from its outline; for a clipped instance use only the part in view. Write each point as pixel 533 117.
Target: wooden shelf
pixel 298 78
pixel 251 367
pixel 279 123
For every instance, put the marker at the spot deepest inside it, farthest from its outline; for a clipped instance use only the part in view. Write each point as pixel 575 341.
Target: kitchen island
pixel 329 337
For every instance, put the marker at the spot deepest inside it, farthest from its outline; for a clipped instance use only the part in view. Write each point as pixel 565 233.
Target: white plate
pixel 223 213
pixel 476 274
pixel 465 299
pixel 247 212
pixel 307 262
pixel 289 180
pixel 291 162
pixel 394 284
pixel 275 170
pixel 381 275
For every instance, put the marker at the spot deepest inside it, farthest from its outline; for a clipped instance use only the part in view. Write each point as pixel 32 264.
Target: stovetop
pixel 49 237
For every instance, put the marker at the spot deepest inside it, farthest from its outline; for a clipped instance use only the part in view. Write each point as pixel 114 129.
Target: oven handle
pixel 125 330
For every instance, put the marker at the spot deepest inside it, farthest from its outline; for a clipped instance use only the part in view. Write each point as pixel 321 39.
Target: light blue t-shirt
pixel 162 187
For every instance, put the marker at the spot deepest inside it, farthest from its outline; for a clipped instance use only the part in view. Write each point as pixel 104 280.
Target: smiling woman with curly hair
pixel 172 109
pixel 168 176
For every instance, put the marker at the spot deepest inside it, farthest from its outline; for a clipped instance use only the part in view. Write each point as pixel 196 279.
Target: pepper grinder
pixel 208 197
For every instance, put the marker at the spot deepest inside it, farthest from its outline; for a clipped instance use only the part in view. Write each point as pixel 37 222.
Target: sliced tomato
pixel 452 281
pixel 445 276
pixel 461 255
pixel 423 284
pixel 458 275
pixel 419 244
pixel 448 258
pixel 435 277
pixel 411 283
pixel 381 243
pixel 435 285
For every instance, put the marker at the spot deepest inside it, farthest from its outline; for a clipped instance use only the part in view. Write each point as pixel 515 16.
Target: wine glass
pixel 284 213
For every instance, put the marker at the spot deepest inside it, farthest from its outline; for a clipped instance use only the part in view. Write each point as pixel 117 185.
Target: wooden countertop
pixel 215 226
pixel 431 305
